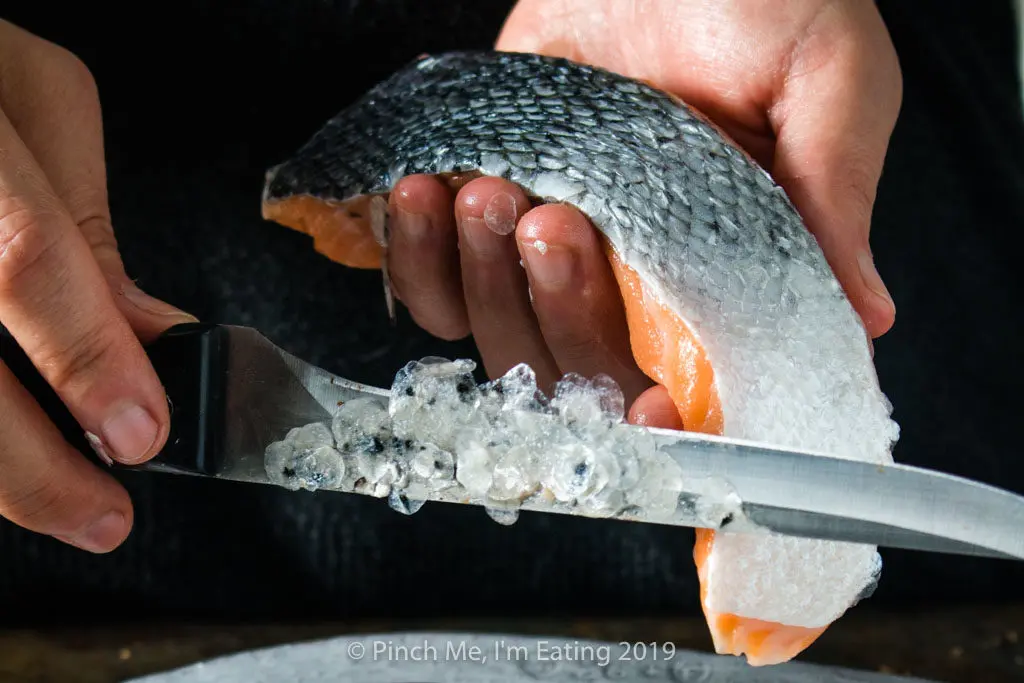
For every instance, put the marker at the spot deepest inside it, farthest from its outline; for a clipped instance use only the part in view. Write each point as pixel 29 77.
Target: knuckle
pixel 58 72
pixel 25 243
pixel 573 345
pixel 858 187
pixel 72 68
pixel 87 204
pixel 99 235
pixel 38 504
pixel 77 362
pixel 40 58
pixel 892 80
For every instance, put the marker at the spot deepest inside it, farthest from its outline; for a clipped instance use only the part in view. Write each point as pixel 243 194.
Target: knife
pixel 233 392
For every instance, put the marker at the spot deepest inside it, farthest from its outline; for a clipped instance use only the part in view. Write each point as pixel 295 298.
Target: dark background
pixel 201 97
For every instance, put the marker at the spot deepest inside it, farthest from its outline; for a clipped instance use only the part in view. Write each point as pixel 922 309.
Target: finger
pixel 497 300
pixel 833 117
pixel 575 297
pixel 55 301
pixel 423 257
pixel 51 99
pixel 654 408
pixel 46 487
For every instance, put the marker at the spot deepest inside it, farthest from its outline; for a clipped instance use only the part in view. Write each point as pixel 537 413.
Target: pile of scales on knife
pixel 502 444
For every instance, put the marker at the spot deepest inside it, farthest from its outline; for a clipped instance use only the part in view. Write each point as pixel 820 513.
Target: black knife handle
pixel 191 362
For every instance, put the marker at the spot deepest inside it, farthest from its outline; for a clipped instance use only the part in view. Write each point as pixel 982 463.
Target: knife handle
pixel 191 362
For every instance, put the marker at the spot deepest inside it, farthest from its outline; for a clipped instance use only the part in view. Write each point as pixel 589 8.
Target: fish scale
pixel 708 233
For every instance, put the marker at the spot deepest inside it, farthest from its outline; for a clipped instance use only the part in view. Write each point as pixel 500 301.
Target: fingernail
pixel 873 280
pixel 414 226
pixel 130 434
pixel 100 536
pixel 500 214
pixel 550 267
pixel 154 306
pixel 482 240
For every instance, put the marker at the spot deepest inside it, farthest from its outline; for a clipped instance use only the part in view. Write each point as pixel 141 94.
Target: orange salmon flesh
pixel 664 348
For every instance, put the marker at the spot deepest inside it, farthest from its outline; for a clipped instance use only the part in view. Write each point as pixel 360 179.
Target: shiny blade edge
pixel 815 495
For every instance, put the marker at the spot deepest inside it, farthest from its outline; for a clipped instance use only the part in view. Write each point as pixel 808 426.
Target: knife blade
pixel 233 392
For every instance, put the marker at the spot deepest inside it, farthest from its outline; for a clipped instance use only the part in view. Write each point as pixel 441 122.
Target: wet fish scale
pixel 710 236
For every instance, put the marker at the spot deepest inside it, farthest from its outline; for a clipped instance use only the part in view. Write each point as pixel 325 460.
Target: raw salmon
pixel 730 302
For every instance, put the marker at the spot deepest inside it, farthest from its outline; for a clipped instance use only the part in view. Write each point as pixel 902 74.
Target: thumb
pixel 833 117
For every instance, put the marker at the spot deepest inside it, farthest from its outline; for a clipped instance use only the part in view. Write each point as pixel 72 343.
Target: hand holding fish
pixel 65 297
pixel 810 89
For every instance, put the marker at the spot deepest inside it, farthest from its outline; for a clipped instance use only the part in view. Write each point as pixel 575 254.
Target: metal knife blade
pixel 233 392
pixel 820 496
pixel 799 493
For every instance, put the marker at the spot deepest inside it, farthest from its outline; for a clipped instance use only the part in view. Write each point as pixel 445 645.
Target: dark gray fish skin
pixel 463 111
pixel 635 160
pixel 709 233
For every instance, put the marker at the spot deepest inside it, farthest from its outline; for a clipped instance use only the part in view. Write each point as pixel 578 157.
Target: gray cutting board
pixel 431 657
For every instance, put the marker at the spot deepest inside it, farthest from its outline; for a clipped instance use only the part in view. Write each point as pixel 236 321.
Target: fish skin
pixel 611 146
pixel 708 231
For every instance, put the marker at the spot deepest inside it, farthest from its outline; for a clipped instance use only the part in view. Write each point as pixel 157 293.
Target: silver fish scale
pixel 710 234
